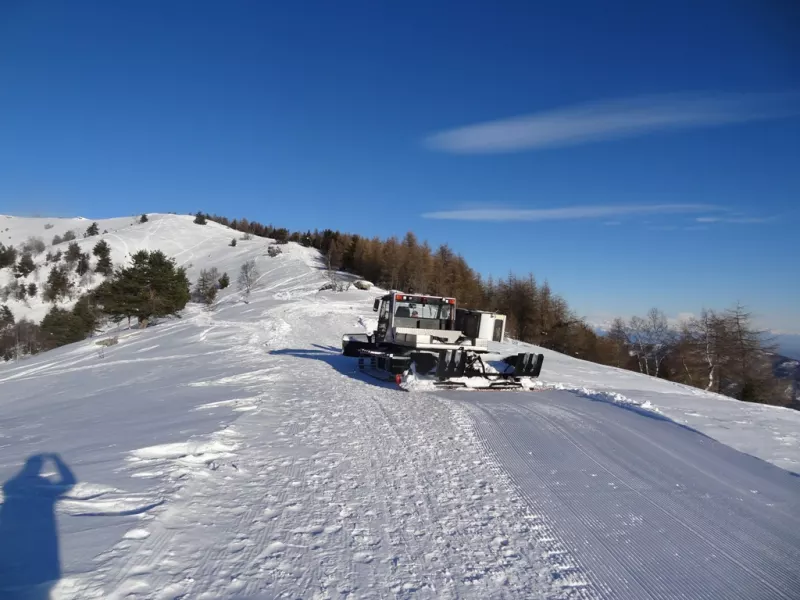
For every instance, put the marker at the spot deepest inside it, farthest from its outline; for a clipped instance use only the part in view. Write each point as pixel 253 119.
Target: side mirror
pixel 376 306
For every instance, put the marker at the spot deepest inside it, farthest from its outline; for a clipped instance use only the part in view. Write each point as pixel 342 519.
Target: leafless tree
pixel 636 331
pixel 620 338
pixel 708 337
pixel 248 276
pixel 651 338
pixel 660 337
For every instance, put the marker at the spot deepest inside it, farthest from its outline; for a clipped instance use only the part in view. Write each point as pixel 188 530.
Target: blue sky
pixel 633 154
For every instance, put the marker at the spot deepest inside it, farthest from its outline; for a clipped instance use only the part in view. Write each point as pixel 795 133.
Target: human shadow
pixel 29 556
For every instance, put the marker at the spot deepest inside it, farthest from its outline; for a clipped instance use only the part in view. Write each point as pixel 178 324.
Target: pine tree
pixel 103 252
pixel 93 229
pixel 88 315
pixel 25 266
pixel 224 281
pixel 8 256
pixel 69 236
pixel 60 327
pixel 200 218
pixel 83 265
pixel 143 219
pixel 73 253
pixel 233 242
pixel 205 290
pixel 58 285
pixel 151 287
pixel 6 316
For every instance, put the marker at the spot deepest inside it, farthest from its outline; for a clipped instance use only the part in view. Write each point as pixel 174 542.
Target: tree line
pixel 718 351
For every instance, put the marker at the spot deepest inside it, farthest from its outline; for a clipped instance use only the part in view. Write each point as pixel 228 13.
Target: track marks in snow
pixel 332 487
pixel 642 499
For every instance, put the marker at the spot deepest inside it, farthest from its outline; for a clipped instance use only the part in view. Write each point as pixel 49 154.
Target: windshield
pixel 417 310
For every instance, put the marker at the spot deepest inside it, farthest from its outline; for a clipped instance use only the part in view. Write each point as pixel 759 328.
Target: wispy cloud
pixel 611 120
pixel 741 220
pixel 489 213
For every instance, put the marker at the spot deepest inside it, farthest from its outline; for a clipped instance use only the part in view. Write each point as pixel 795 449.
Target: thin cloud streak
pixel 566 213
pixel 612 120
pixel 740 220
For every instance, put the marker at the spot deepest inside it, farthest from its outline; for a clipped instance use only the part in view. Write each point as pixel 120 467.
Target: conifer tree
pixel 152 286
pixel 83 265
pixel 8 256
pixel 86 312
pixel 205 290
pixel 25 266
pixel 103 253
pixel 6 316
pixel 93 229
pixel 73 253
pixel 60 327
pixel 58 285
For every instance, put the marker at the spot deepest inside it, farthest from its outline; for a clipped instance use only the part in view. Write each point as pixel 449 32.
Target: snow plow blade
pixel 450 370
pixel 462 370
pixel 353 343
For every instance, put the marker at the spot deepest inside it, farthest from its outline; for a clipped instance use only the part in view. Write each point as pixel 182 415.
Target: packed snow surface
pixel 234 453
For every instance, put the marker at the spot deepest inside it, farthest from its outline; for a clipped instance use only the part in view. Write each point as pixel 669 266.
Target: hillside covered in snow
pixel 194 247
pixel 235 453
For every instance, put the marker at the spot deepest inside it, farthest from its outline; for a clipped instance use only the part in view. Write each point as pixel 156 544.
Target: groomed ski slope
pixel 234 453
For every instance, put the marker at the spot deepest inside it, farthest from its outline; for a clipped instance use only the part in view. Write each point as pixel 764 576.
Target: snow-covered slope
pixel 192 246
pixel 771 433
pixel 234 453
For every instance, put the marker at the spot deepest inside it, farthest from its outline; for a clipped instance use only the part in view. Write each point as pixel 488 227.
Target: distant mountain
pixel 788 368
pixel 788 344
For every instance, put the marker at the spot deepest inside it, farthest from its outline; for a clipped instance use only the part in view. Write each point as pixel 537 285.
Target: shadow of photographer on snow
pixel 29 555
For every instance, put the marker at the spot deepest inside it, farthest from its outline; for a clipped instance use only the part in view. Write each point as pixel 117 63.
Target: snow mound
pixel 183 450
